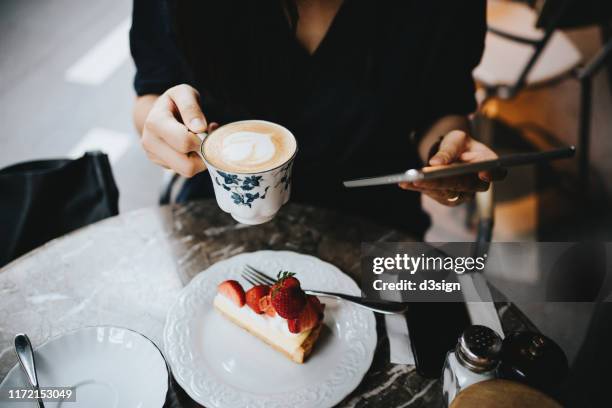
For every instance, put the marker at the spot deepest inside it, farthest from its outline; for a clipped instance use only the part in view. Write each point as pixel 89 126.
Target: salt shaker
pixel 474 359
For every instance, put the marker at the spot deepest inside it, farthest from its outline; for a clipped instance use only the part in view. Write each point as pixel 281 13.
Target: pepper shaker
pixel 533 359
pixel 474 359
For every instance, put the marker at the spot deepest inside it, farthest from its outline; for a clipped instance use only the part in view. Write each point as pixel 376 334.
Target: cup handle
pixel 201 136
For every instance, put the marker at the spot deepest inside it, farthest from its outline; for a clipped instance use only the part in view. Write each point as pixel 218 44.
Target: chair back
pixel 573 13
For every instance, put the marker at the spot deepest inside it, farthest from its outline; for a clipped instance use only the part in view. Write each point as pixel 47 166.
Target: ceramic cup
pixel 251 198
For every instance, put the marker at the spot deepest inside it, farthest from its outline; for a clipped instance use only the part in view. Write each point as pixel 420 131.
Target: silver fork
pixel 257 277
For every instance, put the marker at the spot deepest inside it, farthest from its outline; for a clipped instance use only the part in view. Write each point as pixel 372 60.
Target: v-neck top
pixel 384 71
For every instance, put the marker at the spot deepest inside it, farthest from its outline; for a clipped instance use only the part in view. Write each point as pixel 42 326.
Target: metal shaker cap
pixel 479 348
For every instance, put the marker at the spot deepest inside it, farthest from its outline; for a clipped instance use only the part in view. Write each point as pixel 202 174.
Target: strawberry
pixel 290 282
pixel 308 318
pixel 317 303
pixel 287 297
pixel 294 325
pixel 232 290
pixel 254 295
pixel 288 302
pixel 286 279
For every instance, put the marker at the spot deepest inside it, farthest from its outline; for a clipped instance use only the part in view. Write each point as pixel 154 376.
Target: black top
pixel 384 70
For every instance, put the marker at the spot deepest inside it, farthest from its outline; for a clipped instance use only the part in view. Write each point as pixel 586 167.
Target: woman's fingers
pixel 475 152
pixel 468 182
pixel 187 102
pixel 162 124
pixel 493 175
pixel 447 197
pixel 457 147
pixel 451 147
pixel 212 126
pixel 187 165
pixel 166 140
pixel 155 159
pixel 450 198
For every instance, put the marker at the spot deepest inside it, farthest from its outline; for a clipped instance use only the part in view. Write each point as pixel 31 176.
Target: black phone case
pixel 434 329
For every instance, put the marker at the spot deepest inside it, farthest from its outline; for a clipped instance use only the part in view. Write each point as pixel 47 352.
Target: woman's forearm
pixel 141 110
pixel 440 128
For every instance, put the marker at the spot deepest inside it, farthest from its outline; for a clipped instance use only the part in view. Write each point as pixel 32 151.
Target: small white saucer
pixel 109 367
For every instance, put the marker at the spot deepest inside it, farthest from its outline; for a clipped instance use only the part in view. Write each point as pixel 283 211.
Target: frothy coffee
pixel 249 146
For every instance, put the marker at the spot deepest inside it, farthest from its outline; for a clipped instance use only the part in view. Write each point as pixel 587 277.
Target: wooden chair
pixel 525 48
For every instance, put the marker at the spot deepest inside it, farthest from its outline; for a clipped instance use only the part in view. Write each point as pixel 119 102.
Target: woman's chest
pixel 358 60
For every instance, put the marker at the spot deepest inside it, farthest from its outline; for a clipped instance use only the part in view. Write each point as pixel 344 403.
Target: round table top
pixel 127 271
pixel 499 393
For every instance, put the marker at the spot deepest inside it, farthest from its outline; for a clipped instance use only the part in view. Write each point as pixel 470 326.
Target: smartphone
pixel 459 169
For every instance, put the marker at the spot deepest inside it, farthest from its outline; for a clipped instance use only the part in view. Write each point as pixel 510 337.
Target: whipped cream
pixel 248 148
pixel 277 323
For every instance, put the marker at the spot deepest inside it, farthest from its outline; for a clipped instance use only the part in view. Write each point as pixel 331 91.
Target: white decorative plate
pixel 220 365
pixel 110 367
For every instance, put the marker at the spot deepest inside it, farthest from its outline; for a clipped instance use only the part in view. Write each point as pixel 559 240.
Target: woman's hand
pixel 168 135
pixel 457 147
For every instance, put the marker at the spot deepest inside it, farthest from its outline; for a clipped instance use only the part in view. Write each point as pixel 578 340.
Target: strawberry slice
pixel 232 290
pixel 265 304
pixel 310 316
pixel 254 295
pixel 270 311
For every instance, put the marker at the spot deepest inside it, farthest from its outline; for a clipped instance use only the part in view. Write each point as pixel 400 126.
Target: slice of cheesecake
pixel 283 316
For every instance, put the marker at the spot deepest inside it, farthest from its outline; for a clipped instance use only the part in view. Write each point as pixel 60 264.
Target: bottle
pixel 533 359
pixel 474 359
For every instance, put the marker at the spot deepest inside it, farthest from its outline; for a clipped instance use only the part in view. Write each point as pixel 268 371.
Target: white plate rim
pixel 185 382
pixel 82 328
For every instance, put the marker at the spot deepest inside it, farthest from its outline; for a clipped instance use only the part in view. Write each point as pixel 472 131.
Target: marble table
pixel 127 271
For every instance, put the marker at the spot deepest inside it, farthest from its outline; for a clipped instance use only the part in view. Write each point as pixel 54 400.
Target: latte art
pixel 249 146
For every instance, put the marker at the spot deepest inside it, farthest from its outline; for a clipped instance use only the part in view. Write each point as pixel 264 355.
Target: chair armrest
pixel 166 196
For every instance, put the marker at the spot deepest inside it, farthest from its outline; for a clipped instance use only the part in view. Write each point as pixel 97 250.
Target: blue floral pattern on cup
pixel 241 188
pixel 285 179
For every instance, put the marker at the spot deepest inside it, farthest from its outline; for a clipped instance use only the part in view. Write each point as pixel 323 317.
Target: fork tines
pixel 256 277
